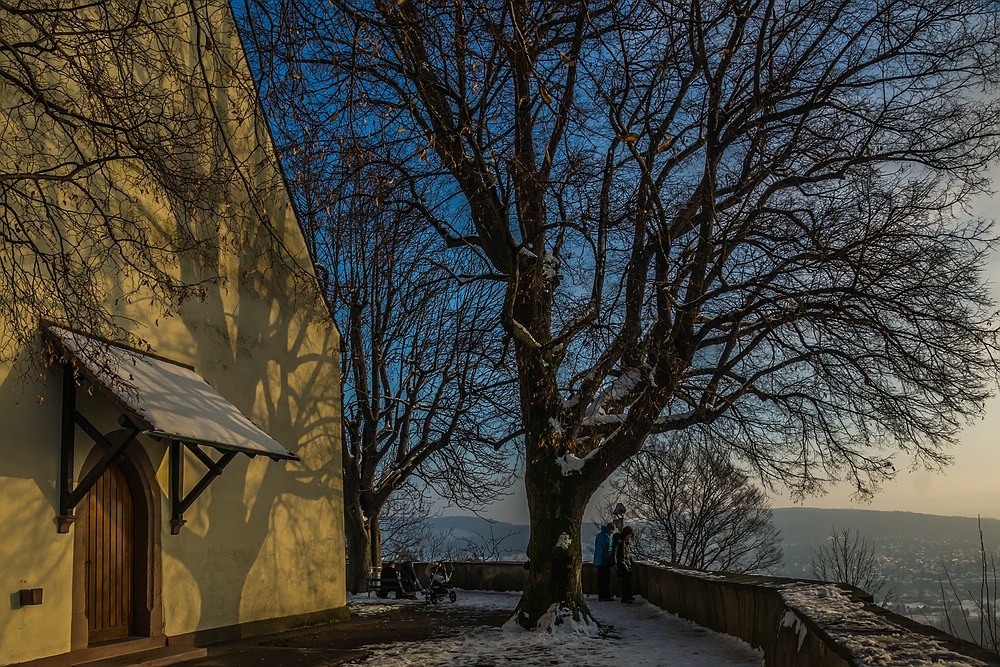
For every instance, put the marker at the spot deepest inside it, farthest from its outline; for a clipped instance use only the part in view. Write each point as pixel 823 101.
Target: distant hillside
pixel 801 530
pixel 909 541
pixel 511 538
pixel 460 534
pixel 801 524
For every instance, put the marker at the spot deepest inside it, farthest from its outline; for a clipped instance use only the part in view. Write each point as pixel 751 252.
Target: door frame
pixel 147 613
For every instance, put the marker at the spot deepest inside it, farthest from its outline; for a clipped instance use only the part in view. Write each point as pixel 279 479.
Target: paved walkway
pixel 468 633
pixel 372 625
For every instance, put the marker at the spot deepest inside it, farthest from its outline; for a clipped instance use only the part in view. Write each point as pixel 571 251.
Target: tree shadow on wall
pixel 263 339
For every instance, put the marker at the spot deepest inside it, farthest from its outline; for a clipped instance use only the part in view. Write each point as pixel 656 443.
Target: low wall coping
pixel 803 622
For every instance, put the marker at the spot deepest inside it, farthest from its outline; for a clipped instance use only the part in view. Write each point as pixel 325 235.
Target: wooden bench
pixel 389 581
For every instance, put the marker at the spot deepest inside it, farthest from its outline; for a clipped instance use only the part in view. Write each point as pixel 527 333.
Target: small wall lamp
pixel 30 596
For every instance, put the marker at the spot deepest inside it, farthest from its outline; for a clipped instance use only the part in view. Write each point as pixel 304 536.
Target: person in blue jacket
pixel 602 559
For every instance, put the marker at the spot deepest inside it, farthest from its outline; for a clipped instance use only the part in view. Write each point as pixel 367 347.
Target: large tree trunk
pixel 359 548
pixel 555 507
pixel 556 501
pixel 364 546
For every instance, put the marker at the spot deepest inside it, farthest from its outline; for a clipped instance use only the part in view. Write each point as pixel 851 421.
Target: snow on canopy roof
pixel 169 400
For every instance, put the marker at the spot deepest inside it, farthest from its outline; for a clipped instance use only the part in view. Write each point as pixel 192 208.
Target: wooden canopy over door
pixel 108 543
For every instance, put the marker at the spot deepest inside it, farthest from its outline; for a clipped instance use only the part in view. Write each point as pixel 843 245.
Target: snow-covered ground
pixel 638 635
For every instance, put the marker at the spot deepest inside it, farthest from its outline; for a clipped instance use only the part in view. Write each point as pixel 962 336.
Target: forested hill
pixel 907 542
pixel 809 525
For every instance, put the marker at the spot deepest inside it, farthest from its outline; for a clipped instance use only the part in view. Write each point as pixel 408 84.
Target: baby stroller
pixel 438 580
pixel 400 579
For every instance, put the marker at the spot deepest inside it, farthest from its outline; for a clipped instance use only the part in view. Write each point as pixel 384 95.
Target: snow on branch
pixel 550 267
pixel 624 385
pixel 570 463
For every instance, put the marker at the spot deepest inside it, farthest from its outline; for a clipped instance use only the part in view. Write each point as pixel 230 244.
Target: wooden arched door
pixel 109 547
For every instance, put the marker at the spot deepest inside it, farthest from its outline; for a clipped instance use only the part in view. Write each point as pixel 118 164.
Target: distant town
pixel 927 560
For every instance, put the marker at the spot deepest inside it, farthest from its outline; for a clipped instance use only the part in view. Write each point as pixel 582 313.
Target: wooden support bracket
pixel 178 500
pixel 113 443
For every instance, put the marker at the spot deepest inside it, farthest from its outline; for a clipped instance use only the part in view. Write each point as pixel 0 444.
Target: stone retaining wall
pixel 796 623
pixel 800 623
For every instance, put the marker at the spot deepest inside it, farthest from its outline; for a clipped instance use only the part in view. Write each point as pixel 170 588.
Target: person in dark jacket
pixel 623 562
pixel 602 559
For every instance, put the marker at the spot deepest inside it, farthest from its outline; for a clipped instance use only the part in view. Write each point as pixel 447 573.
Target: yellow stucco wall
pixel 266 539
pixel 32 553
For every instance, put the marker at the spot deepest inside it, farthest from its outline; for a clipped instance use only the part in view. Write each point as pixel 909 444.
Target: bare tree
pixel 423 394
pixel 403 530
pixel 118 158
pixel 692 507
pixel 983 626
pixel 482 546
pixel 733 215
pixel 408 535
pixel 847 557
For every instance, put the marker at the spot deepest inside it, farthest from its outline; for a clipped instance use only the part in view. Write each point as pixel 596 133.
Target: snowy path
pixel 639 635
